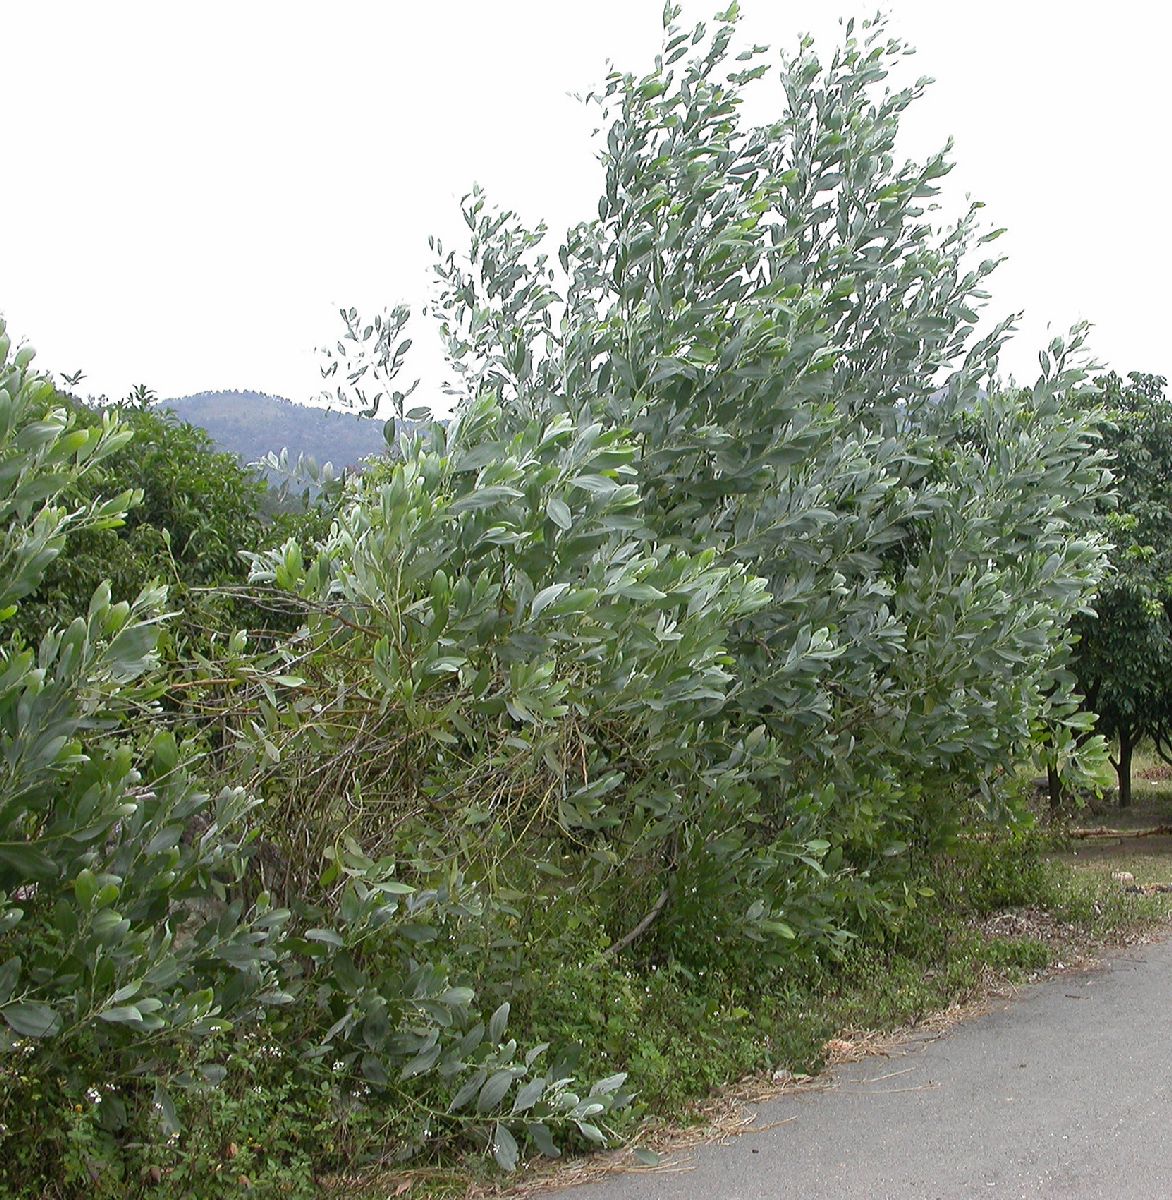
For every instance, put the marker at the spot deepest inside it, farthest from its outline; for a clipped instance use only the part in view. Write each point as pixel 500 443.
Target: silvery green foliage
pixel 132 926
pixel 496 603
pixel 370 357
pixel 503 684
pixel 115 924
pixel 788 334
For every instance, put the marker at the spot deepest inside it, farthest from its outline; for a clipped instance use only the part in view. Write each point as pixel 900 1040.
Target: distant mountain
pixel 250 424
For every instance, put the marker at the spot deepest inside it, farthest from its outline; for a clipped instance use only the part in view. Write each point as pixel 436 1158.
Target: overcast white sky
pixel 191 191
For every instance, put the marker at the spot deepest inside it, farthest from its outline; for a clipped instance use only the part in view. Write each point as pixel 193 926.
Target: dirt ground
pixel 1146 854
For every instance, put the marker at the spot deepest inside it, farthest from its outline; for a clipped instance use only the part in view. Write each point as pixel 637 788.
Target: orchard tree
pixel 1124 654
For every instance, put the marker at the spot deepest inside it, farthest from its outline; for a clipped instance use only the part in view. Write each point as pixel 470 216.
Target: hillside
pixel 250 424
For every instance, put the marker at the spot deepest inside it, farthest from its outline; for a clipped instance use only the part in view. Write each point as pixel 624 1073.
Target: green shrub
pixel 643 702
pixel 141 957
pixel 191 513
pixel 119 947
pixel 775 328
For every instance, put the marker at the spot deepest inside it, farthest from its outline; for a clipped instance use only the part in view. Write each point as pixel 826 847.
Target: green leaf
pixel 591 1132
pixel 9 978
pixel 167 837
pixel 494 1090
pixel 122 1014
pixel 374 1071
pixel 559 513
pixel 498 1023
pixel 543 1140
pixel 599 485
pixel 528 1096
pixel 112 1112
pixel 546 597
pixel 611 1083
pixel 640 591
pixel 85 887
pixel 30 1019
pixel 421 1063
pixel 485 497
pixel 778 927
pixel 330 937
pixel 504 1148
pixel 165 1107
pixel 395 887
pixel 467 1091
pixel 28 862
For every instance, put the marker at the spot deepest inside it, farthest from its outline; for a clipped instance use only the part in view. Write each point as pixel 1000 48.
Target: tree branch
pixel 641 928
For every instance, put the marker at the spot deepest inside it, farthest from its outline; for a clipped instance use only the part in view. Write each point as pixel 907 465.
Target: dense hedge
pixel 722 603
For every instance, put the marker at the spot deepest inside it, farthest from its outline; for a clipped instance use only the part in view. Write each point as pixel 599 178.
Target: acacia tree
pixel 1123 658
pixel 769 311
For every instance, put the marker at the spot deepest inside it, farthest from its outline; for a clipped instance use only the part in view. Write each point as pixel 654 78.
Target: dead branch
pixel 1102 831
pixel 641 928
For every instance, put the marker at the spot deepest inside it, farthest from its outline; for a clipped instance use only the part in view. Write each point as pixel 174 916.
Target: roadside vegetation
pixel 1009 910
pixel 657 719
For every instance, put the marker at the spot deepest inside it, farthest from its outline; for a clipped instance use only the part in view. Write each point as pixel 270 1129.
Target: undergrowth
pixel 684 1033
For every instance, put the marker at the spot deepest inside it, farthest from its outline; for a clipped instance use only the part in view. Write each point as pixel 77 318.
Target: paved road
pixel 1065 1091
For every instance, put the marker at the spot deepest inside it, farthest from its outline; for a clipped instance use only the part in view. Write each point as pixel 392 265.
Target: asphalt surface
pixel 1063 1091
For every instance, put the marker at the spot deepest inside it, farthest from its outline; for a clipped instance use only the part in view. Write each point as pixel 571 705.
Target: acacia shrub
pixel 502 673
pixel 770 310
pixel 142 960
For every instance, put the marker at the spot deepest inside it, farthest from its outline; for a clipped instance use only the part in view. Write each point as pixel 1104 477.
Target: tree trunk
pixel 1123 767
pixel 1054 784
